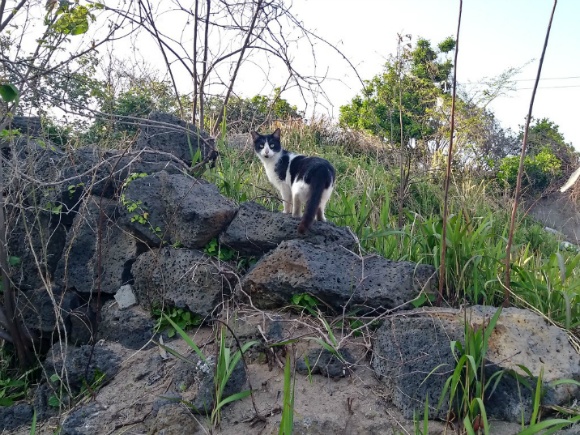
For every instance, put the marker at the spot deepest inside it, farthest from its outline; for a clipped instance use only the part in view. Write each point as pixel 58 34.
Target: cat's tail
pixel 318 183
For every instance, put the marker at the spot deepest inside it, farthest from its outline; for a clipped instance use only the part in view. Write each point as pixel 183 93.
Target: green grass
pixel 366 200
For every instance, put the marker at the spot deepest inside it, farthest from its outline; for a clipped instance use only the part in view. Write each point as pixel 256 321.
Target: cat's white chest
pixel 270 166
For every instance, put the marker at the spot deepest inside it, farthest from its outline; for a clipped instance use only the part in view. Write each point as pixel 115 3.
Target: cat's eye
pixel 261 145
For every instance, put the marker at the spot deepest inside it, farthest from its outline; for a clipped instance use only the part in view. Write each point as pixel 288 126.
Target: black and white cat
pixel 299 179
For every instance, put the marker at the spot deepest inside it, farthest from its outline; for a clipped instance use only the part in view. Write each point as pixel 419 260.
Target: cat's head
pixel 267 145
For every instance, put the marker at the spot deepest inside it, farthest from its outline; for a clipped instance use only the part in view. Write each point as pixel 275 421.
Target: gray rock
pixel 255 231
pixel 132 327
pixel 37 241
pixel 18 415
pixel 89 265
pixel 175 419
pixel 45 311
pixel 168 133
pixel 27 125
pixel 409 348
pixel 83 325
pixel 80 421
pixel 125 297
pixel 102 172
pixel 194 381
pixel 405 351
pixel 337 277
pixel 77 366
pixel 176 210
pixel 181 278
pixel 321 361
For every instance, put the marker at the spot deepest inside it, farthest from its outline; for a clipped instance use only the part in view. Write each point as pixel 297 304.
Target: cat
pixel 299 179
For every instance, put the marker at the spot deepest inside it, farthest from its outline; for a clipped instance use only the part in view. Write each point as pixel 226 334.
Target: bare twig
pixel 448 173
pixel 507 281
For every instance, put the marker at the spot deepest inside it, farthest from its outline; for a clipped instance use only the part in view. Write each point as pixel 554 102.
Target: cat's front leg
pixel 286 199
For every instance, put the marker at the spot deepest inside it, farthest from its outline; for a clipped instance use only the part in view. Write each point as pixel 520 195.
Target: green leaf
pixel 53 401
pixel 9 93
pixel 233 398
pixel 186 338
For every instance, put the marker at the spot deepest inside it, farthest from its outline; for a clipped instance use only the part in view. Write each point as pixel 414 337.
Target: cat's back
pixel 303 167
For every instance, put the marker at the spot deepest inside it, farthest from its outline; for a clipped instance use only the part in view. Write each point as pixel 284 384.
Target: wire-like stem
pixel 507 280
pixel 442 276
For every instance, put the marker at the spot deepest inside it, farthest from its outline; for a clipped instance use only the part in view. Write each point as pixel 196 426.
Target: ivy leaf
pixel 8 92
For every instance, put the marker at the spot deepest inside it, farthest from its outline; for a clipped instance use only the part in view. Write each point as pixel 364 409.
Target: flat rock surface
pixel 337 277
pixel 255 231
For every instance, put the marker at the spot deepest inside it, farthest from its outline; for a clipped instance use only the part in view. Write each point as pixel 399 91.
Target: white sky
pixel 495 35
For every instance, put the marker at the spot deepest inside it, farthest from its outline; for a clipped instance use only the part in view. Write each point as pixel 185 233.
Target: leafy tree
pixel 247 114
pixel 408 88
pixel 544 134
pixel 539 170
pixel 126 96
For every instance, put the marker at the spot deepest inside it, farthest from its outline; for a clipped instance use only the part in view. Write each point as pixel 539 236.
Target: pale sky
pixel 495 35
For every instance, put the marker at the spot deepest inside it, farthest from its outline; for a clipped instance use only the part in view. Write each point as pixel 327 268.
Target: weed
pixel 287 420
pixel 88 389
pixel 138 211
pixel 13 386
pixel 12 389
pixel 226 363
pixel 552 286
pixel 467 384
pixel 224 253
pixel 214 249
pixel 551 425
pixel 306 301
pixel 182 317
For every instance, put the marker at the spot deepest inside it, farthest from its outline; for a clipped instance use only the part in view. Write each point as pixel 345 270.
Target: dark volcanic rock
pixel 412 355
pixel 323 362
pixel 88 266
pixel 38 311
pixel 182 278
pixel 255 231
pixel 37 241
pixel 176 209
pixel 132 327
pixel 337 277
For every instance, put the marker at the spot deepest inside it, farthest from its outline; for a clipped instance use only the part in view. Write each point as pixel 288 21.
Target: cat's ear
pixel 255 136
pixel 276 134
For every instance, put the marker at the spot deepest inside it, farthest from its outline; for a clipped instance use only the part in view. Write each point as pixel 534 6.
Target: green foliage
pixel 247 114
pixel 539 170
pixel 545 135
pixel 12 389
pixel 62 392
pixel 225 365
pixel 306 301
pixel 287 420
pixel 466 387
pixel 363 200
pixel 214 249
pixel 552 286
pixel 125 108
pixel 137 209
pixel 168 316
pixel 9 92
pixel 72 18
pixel 551 425
pixel 233 257
pixel 409 86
